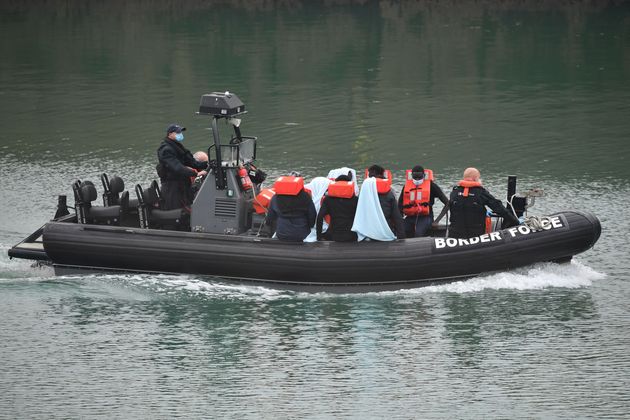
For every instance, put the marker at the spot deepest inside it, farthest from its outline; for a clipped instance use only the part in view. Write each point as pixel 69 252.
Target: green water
pixel 532 88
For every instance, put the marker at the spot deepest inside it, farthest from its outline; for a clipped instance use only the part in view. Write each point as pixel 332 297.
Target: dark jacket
pixel 468 214
pixel 174 170
pixel 341 211
pixel 392 213
pixel 177 161
pixel 295 216
pixel 436 191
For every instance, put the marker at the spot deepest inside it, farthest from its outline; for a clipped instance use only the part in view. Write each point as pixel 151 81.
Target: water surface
pixel 535 89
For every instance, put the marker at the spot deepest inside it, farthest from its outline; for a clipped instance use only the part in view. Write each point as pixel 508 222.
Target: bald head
pixel 472 174
pixel 201 156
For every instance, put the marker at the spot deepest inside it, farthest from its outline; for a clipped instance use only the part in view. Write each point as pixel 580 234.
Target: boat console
pixel 223 203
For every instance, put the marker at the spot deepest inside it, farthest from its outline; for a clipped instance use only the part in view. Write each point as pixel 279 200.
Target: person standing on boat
pixel 468 203
pixel 175 168
pixel 416 201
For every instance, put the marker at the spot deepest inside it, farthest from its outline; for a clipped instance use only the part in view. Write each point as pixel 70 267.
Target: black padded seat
pixel 102 215
pixel 151 216
pixel 113 188
pixel 115 194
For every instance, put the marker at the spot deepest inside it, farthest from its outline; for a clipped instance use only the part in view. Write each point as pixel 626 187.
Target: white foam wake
pixel 538 276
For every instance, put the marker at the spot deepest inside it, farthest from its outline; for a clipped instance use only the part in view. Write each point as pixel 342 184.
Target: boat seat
pixel 150 214
pixel 86 213
pixel 112 190
pixel 80 207
pixel 115 194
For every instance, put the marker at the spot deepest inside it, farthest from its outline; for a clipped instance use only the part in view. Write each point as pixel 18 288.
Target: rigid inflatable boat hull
pixel 396 264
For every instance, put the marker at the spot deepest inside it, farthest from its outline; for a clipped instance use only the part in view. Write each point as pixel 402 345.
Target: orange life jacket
pixel 341 189
pixel 414 196
pixel 289 185
pixel 383 185
pixel 467 185
pixel 262 200
pixel 470 184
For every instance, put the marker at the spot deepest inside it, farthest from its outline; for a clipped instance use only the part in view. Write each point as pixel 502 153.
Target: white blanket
pixel 334 173
pixel 369 220
pixel 318 187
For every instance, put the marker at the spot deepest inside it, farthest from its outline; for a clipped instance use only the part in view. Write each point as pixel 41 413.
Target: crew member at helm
pixel 468 203
pixel 175 168
pixel 416 201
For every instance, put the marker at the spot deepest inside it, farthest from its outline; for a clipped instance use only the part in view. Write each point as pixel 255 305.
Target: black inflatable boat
pixel 222 237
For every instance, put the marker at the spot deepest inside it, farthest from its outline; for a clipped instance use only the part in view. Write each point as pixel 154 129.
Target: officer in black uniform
pixel 175 168
pixel 468 203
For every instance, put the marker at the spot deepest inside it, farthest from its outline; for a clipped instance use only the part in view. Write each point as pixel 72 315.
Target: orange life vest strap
pixel 467 185
pixel 289 185
pixel 470 184
pixel 488 224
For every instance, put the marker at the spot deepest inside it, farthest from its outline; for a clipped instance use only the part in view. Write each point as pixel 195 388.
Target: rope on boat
pixel 537 222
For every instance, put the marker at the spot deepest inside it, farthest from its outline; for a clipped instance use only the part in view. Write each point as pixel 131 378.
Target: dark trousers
pixel 417 226
pixel 176 194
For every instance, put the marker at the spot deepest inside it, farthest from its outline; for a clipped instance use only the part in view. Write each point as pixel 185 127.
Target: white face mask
pixel 417 181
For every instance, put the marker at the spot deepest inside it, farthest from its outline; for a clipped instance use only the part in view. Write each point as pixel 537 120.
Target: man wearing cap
pixel 175 168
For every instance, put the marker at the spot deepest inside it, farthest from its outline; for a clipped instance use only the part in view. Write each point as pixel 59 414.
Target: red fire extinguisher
pixel 246 182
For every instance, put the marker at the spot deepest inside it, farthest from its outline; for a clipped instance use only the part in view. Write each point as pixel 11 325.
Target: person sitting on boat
pixel 387 199
pixel 416 201
pixel 468 203
pixel 175 168
pixel 196 181
pixel 341 205
pixel 292 209
pixel 377 216
pixel 334 173
pixel 318 187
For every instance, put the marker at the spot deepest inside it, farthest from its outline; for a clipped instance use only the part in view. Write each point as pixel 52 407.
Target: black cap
pixel 174 128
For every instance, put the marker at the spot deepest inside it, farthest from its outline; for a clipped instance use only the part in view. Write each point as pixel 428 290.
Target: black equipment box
pixel 221 104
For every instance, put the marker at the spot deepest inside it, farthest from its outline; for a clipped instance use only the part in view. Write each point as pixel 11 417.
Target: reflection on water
pixel 168 337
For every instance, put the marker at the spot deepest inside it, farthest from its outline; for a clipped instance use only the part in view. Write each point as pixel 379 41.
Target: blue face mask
pixel 179 137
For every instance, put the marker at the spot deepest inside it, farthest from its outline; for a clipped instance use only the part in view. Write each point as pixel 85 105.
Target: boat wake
pixel 18 269
pixel 535 277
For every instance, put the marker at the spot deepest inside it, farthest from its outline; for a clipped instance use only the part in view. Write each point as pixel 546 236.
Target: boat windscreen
pixel 239 152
